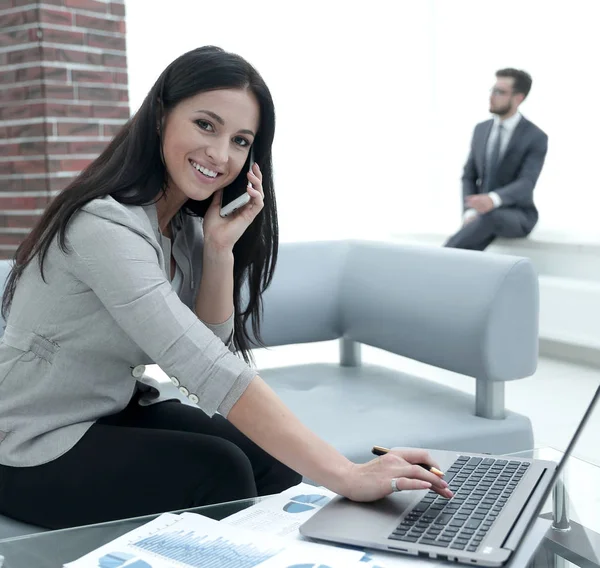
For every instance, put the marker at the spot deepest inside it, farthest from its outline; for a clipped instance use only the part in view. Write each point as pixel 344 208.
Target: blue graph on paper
pixel 309 566
pixel 302 503
pixel 118 559
pixel 201 551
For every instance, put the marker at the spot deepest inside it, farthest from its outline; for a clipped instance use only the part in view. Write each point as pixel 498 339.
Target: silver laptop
pixel 496 500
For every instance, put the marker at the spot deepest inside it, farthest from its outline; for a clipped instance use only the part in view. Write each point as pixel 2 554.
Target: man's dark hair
pixel 522 83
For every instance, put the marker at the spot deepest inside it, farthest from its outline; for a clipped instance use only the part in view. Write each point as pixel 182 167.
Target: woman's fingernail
pixel 444 484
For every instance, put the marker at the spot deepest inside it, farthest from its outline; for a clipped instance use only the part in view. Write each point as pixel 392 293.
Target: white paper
pixel 282 514
pixel 190 540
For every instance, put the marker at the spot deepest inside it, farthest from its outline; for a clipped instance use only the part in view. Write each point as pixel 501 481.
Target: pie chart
pixel 303 503
pixel 118 559
pixel 309 566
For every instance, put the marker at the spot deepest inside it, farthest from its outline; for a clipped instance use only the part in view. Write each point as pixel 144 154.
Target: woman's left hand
pixel 223 232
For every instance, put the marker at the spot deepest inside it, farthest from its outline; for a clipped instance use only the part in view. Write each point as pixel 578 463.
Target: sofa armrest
pixel 472 313
pixel 468 312
pixel 302 304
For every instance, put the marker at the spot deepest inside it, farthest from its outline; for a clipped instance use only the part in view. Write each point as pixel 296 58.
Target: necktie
pixel 493 163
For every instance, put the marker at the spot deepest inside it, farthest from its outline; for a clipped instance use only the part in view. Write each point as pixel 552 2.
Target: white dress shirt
pixel 508 127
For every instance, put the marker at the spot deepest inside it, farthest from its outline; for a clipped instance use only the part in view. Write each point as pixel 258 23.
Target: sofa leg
pixel 489 399
pixel 349 353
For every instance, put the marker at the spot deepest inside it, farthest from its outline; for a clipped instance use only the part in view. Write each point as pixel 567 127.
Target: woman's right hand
pixel 373 480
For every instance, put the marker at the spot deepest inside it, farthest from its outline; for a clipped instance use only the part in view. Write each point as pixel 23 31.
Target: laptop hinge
pixel 523 521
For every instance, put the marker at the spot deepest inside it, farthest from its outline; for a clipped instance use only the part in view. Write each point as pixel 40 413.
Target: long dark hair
pixel 131 170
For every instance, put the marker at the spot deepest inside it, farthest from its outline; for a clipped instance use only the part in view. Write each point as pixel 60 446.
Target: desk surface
pixel 54 548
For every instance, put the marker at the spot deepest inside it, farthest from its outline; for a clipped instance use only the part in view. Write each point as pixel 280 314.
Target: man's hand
pixel 481 203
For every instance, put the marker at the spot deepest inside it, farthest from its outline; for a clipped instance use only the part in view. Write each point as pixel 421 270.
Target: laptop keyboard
pixel 481 487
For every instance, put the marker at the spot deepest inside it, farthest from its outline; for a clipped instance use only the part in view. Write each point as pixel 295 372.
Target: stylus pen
pixel 379 451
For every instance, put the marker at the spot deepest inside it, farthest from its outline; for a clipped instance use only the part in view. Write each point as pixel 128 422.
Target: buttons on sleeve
pixel 138 371
pixel 185 392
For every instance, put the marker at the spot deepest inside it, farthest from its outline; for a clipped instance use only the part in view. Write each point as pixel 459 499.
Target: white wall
pixel 376 105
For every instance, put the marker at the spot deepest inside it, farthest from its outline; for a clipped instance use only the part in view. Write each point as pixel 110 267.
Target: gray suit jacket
pixel 71 344
pixel 517 172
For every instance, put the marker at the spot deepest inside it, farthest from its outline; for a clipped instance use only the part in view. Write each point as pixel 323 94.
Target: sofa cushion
pixel 355 408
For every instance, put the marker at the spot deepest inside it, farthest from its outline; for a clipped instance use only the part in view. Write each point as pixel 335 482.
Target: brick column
pixel 63 72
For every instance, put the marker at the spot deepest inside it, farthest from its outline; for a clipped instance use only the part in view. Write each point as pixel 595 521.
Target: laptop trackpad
pixel 347 521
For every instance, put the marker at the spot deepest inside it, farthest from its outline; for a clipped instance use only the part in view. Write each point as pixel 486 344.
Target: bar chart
pixel 201 551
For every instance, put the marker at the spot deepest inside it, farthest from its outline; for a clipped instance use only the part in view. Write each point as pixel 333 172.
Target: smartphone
pixel 235 195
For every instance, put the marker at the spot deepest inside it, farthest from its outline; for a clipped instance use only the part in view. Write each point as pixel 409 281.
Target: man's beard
pixel 500 111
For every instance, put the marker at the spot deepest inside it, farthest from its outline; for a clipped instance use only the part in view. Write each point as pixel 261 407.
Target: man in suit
pixel 505 161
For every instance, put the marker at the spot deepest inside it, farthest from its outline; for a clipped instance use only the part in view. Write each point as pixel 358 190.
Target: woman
pixel 132 264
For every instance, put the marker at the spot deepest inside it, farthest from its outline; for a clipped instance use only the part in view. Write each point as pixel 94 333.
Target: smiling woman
pixel 215 142
pixel 148 161
pixel 131 265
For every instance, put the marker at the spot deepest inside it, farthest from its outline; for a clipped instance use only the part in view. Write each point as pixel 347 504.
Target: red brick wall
pixel 63 79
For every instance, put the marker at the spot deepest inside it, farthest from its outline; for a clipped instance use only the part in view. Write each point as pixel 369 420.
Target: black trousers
pixel 143 460
pixel 484 229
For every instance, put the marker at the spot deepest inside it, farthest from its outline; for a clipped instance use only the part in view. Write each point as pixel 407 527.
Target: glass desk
pixel 52 549
pixel 574 539
pixel 574 507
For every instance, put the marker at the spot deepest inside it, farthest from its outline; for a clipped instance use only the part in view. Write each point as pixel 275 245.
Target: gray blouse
pixel 75 341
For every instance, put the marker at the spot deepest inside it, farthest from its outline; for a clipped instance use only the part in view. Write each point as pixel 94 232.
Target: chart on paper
pixel 121 560
pixel 303 503
pixel 193 541
pixel 309 566
pixel 201 551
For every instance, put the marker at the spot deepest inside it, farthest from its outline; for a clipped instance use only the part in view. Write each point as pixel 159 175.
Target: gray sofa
pixel 466 312
pixel 458 310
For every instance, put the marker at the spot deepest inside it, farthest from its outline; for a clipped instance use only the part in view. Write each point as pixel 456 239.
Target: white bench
pixel 569 277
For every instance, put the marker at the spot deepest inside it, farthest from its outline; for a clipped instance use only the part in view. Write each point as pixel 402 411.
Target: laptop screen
pixel 579 467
